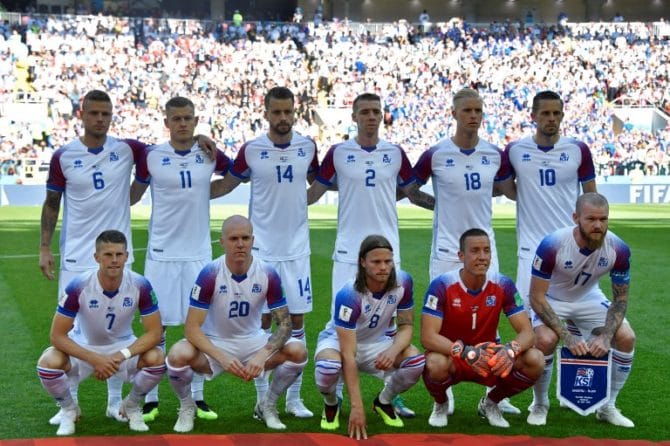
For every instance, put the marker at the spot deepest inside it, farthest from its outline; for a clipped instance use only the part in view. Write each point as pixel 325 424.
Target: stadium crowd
pixel 226 69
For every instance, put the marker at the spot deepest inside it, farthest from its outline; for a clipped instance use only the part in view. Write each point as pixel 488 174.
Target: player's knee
pixel 545 340
pixel 295 352
pixel 624 339
pixel 533 362
pixel 437 366
pixel 152 357
pixel 52 358
pixel 181 354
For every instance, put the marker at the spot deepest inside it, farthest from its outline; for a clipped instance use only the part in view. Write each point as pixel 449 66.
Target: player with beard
pixel 566 271
pixel 280 164
pixel 548 169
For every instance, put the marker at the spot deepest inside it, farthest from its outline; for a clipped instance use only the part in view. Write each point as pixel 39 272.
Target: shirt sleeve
pixel 423 169
pixel 347 308
pixel 203 290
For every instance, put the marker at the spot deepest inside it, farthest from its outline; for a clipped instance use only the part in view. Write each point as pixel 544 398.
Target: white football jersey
pixel 548 184
pixel 366 180
pixel 574 271
pixel 180 183
pixel 369 314
pixel 278 201
pixel 96 196
pixel 105 318
pixel 235 303
pixel 463 188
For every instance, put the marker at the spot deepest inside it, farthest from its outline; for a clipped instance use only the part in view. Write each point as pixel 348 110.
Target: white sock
pixel 197 387
pixel 403 378
pixel 180 380
pixel 145 380
pixel 293 392
pixel 152 395
pixel 284 375
pixel 327 376
pixel 114 390
pixel 622 363
pixel 56 382
pixel 541 387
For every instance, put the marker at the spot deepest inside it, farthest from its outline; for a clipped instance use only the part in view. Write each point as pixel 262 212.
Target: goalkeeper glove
pixel 502 361
pixel 477 356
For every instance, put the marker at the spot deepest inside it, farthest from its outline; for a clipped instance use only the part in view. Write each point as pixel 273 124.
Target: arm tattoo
pixel 405 318
pixel 283 331
pixel 420 198
pixel 551 320
pixel 49 217
pixel 615 313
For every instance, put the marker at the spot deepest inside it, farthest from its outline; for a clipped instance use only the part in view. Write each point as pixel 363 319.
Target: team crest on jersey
pixel 92 304
pixel 490 301
pixel 223 289
pixel 283 159
pixel 256 288
pixel 568 264
pixel 113 156
pixel 392 299
pixel 345 313
pixel 386 159
pixel 367 308
pixel 603 262
pixel 301 153
pixel 199 159
pixel 485 160
pixel 351 159
pixel 78 163
pixel 450 162
pixel 165 161
pixel 537 262
pixel 431 302
pixel 127 302
pixel 265 155
pixel 564 157
pixel 525 157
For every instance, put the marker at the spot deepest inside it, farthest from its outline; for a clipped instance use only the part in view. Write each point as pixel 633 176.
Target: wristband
pixel 126 353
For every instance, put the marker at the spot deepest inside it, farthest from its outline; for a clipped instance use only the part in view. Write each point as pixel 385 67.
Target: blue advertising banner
pixel 583 381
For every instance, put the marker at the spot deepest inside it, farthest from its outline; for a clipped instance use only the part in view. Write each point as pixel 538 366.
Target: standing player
pixel 460 318
pixel 355 339
pixel 558 293
pixel 92 174
pixel 179 237
pixel 368 173
pixel 549 169
pixel 279 164
pixel 466 171
pixel 106 301
pixel 223 327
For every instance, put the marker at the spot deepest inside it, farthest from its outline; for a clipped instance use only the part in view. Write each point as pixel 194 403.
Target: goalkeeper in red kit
pixel 458 330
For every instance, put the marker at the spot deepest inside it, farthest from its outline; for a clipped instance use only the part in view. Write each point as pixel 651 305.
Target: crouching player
pixel 354 339
pixel 106 301
pixel 458 329
pixel 223 328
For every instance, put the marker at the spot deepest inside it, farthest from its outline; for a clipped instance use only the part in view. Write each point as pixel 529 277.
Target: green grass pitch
pixel 28 301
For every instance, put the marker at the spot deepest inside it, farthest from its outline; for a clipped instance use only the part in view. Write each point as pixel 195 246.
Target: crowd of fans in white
pixel 226 69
